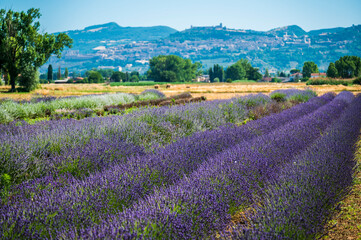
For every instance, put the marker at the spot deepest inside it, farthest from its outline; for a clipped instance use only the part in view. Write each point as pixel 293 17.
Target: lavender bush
pixel 118 186
pixel 304 197
pixel 203 202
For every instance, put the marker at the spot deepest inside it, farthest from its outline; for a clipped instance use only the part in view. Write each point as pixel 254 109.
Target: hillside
pixel 92 36
pixel 112 31
pixel 279 49
pixel 289 30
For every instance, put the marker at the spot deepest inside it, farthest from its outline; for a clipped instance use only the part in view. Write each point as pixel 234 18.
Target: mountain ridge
pixel 107 45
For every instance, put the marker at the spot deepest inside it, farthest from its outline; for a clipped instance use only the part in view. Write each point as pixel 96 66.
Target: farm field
pixel 210 91
pixel 271 165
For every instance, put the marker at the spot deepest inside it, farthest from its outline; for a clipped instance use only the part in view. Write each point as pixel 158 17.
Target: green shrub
pixel 279 97
pixel 29 79
pixel 325 81
pixel 357 81
pixel 229 80
pixel 276 80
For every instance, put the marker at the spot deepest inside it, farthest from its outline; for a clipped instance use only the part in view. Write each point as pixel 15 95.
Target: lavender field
pixel 283 162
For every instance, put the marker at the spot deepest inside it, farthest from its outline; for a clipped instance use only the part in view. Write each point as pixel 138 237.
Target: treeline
pixel 91 76
pixel 176 69
pixel 345 67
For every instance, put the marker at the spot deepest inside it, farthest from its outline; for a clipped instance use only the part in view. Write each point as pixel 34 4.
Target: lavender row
pixel 305 196
pixel 30 151
pixel 293 94
pixel 44 106
pixel 200 146
pixel 203 202
pixel 113 190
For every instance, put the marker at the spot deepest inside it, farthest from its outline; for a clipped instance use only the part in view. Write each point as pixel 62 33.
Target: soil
pixel 348 222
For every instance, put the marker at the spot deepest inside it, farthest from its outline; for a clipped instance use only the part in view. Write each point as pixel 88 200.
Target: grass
pixel 244 81
pixel 348 222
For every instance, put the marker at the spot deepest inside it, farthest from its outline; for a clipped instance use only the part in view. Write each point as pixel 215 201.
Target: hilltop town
pixel 278 49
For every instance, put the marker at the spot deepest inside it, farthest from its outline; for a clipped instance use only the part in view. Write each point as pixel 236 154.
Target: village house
pixel 266 79
pixel 318 75
pixel 203 78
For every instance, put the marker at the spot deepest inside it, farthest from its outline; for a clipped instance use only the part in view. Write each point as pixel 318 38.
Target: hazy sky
pixel 62 15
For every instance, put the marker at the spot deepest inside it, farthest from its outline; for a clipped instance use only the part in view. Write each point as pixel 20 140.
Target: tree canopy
pixel 172 68
pixel 22 47
pixel 332 71
pixel 308 68
pixel 95 77
pixel 293 71
pixel 243 69
pixel 216 72
pixel 117 76
pixel 348 66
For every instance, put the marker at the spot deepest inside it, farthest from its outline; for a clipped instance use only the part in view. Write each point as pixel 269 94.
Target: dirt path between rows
pixel 348 222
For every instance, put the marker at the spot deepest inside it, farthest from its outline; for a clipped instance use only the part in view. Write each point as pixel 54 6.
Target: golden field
pixel 210 90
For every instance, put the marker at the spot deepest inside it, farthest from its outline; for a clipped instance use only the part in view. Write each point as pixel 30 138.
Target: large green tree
pixel 236 72
pixel 332 71
pixel 348 66
pixel 216 72
pixel 22 47
pixel 95 77
pixel 308 68
pixel 117 76
pixel 172 68
pixel 293 71
pixel 243 69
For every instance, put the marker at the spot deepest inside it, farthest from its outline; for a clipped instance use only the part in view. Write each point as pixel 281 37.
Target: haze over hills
pixel 109 45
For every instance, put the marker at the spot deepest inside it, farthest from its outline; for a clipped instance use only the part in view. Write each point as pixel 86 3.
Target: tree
pixel 22 47
pixel 134 73
pixel 106 73
pixel 235 72
pixel 66 73
pixel 29 78
pixel 211 75
pixel 50 73
pixel 172 68
pixel 95 77
pixel 254 74
pixel 348 66
pixel 293 71
pixel 308 68
pixel 243 69
pixel 134 78
pixel 332 71
pixel 117 76
pixel 217 72
pixel 58 76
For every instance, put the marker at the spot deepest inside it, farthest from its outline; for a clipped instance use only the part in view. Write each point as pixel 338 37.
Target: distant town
pixel 278 49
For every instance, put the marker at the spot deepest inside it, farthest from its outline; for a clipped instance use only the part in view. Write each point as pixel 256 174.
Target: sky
pixel 261 15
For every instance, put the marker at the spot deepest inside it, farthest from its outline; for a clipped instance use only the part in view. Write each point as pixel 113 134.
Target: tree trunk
pixel 13 76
